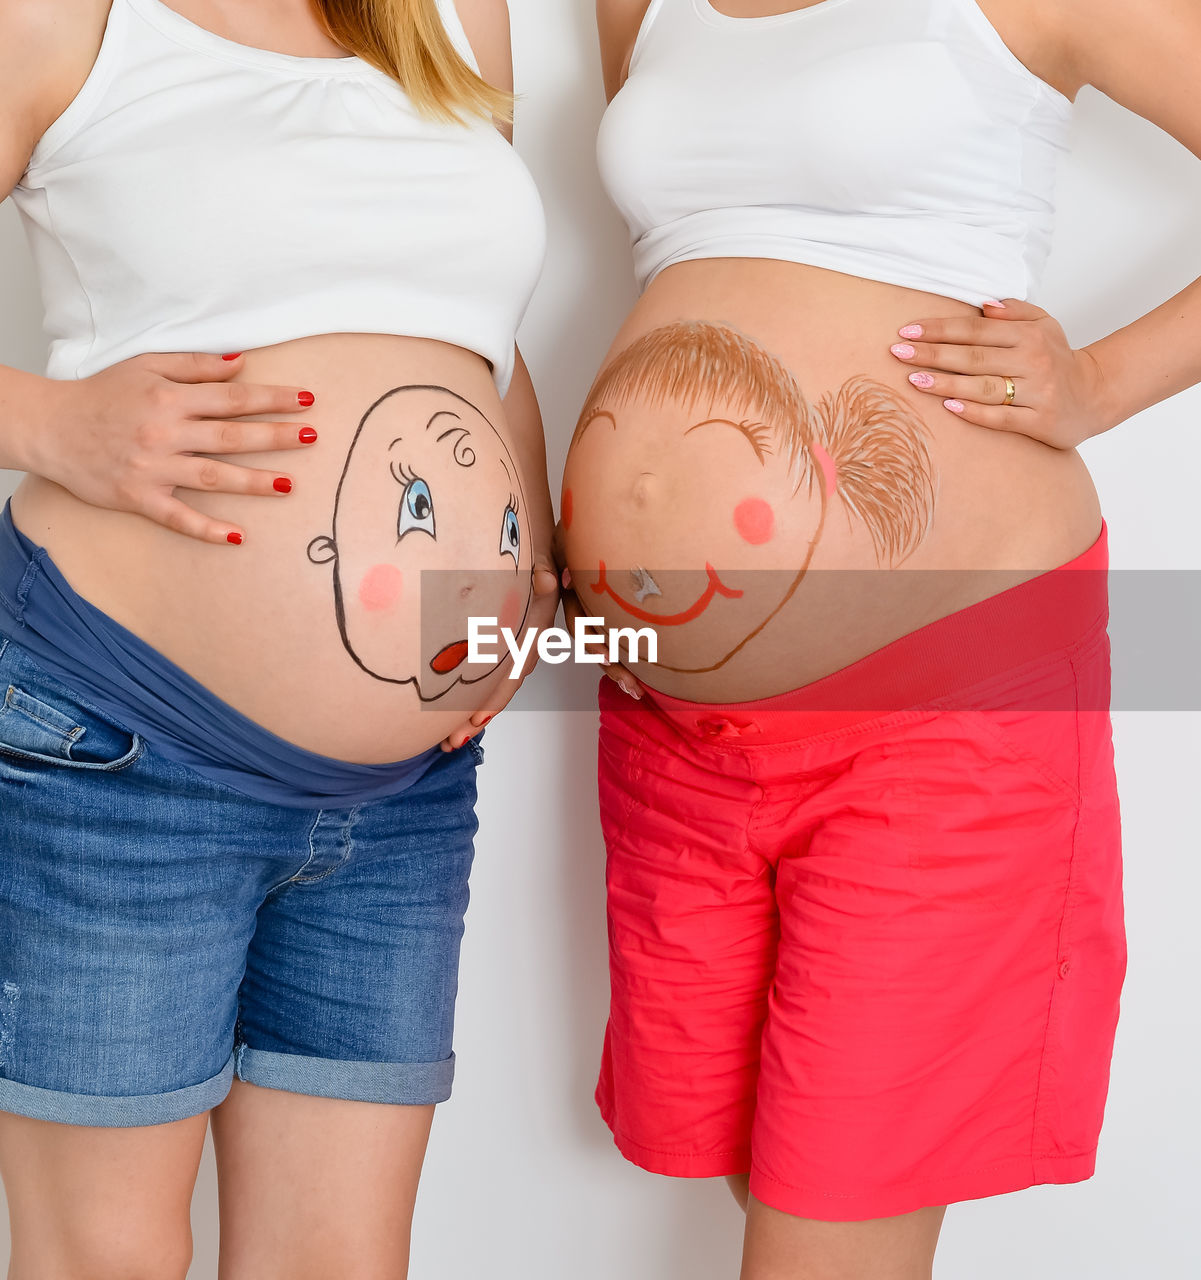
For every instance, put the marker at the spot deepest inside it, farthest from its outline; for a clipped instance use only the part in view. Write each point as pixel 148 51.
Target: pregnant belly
pixel 340 624
pixel 754 481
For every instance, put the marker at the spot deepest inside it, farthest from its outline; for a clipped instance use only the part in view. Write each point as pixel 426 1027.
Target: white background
pixel 522 1182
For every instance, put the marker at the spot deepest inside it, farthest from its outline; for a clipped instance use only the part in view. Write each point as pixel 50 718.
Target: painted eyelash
pixel 400 473
pixel 759 434
pixel 514 505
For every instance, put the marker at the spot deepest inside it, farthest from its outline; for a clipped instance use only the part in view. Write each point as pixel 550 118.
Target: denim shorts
pixel 161 933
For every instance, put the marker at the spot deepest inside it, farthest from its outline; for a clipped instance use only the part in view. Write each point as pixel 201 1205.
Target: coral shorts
pixel 866 938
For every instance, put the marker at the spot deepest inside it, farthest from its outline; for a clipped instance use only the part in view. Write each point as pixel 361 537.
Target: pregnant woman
pixel 866 927
pixel 236 807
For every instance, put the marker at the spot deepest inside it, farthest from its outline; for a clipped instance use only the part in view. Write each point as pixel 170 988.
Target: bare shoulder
pixel 1144 56
pixel 47 48
pixel 48 35
pixel 617 24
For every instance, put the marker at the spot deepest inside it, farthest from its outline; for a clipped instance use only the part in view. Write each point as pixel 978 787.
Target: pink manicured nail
pixel 632 692
pixel 566 578
pixel 911 331
pixel 992 302
pixel 923 380
pixel 903 351
pixel 955 406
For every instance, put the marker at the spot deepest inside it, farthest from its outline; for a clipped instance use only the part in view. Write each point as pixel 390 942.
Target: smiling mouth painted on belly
pixel 714 588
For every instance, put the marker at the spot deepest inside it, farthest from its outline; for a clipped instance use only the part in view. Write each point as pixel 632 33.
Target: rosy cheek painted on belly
pixel 380 588
pixel 511 610
pixel 755 521
pixel 568 507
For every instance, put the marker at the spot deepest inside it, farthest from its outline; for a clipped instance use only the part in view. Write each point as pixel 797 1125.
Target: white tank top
pixel 202 195
pixel 895 140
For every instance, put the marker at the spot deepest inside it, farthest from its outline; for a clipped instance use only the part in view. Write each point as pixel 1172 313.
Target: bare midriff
pixel 317 627
pixel 763 561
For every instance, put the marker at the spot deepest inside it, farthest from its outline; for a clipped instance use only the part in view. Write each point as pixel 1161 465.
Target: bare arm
pixel 1144 57
pixel 46 50
pixel 617 24
pixel 486 24
pixel 128 437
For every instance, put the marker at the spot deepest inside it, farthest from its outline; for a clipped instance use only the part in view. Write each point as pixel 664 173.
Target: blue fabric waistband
pixel 123 677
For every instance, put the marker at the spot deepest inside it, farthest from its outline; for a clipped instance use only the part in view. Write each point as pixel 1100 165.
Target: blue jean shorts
pixel 161 933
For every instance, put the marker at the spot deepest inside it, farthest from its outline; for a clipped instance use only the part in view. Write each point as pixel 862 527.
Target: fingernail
pixel 955 406
pixel 923 380
pixel 632 692
pixel 233 355
pixel 235 538
pixel 567 577
pixel 903 351
pixel 992 302
pixel 306 398
pixel 911 331
pixel 307 435
pixel 281 484
pixel 484 721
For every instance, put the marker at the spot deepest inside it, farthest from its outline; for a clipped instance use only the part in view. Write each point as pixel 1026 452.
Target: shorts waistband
pixel 951 663
pixel 126 679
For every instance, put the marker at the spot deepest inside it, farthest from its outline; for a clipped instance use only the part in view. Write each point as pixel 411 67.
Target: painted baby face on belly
pixel 427 531
pixel 700 479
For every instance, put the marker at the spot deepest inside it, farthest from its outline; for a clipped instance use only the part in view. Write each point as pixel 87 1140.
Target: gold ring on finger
pixel 1010 392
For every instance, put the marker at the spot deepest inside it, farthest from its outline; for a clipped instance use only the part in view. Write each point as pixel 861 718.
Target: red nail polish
pixel 306 398
pixel 484 721
pixel 281 484
pixel 235 538
pixel 307 435
pixel 233 355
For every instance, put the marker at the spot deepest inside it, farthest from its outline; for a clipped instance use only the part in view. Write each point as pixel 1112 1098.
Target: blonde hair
pixel 406 40
pixel 885 475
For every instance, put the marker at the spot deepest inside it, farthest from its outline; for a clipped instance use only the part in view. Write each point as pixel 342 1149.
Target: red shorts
pixel 866 938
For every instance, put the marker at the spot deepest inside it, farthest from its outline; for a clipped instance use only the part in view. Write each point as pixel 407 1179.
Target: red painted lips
pixel 446 660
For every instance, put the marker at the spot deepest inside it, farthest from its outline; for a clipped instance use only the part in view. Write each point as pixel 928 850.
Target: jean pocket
pixel 43 722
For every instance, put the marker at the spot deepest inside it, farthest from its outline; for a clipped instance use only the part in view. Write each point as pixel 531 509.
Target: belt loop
pixel 32 569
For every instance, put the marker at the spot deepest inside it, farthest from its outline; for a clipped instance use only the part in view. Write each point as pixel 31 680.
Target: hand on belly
pixel 700 482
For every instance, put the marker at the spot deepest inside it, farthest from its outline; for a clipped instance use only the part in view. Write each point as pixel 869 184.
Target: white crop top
pixel 895 140
pixel 202 195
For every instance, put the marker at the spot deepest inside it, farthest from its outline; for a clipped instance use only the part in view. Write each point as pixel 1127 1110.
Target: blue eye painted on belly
pixel 416 509
pixel 510 535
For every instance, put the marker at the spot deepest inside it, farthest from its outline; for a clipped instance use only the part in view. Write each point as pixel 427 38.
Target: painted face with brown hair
pixel 699 479
pixel 428 530
pixel 683 523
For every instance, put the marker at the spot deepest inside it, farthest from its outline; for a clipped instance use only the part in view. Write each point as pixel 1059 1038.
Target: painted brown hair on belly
pixel 862 441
